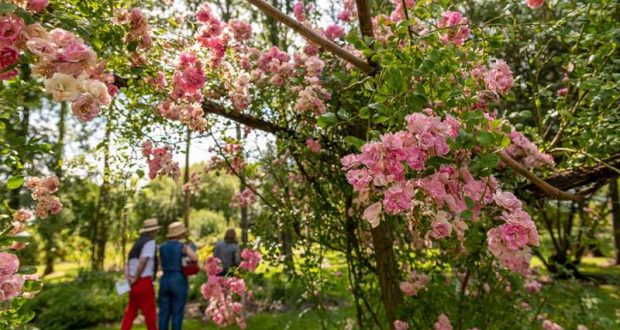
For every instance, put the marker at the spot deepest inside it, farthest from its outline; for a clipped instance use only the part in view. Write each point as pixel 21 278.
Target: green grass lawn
pixel 307 320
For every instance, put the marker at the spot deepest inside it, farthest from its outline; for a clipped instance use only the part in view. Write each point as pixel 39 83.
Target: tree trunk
pixel 187 194
pixel 287 249
pixel 100 238
pixel 50 239
pixel 244 209
pixel 614 196
pixel 387 269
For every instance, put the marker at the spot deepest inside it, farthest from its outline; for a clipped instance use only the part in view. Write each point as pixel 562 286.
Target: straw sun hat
pixel 176 229
pixel 149 225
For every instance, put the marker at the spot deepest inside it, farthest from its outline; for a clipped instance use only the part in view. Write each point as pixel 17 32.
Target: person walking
pixel 227 251
pixel 173 284
pixel 140 273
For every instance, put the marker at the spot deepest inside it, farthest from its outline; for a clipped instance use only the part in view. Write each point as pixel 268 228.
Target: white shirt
pixel 148 251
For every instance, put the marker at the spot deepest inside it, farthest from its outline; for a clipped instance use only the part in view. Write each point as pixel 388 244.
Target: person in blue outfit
pixel 173 284
pixel 228 252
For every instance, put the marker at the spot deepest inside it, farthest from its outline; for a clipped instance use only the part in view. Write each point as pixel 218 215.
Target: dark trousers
pixel 141 297
pixel 172 297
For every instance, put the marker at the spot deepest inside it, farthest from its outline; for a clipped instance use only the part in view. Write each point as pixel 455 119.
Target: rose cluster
pixel 210 34
pixel 456 25
pixel 139 30
pixel 523 150
pixel 71 71
pixel 42 192
pixel 160 161
pixel 510 242
pixel 11 283
pixel 226 295
pixel 244 199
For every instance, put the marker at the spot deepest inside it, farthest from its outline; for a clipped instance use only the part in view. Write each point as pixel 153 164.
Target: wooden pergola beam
pixel 312 35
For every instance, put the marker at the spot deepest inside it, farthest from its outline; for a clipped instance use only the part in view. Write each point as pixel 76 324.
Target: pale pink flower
pixel 507 200
pixel 22 215
pixel 550 325
pixel 51 183
pixel 401 325
pixel 456 24
pixel 42 47
pixel 298 10
pixel 441 228
pixel 250 259
pixel 85 107
pixel 62 38
pixel 62 87
pixel 443 323
pixel 373 214
pixel 397 199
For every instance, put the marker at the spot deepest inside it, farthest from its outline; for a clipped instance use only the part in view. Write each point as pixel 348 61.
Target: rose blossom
pixel 62 38
pixel 10 286
pixel 441 229
pixel 22 215
pixel 373 214
pixel 62 87
pixel 37 5
pixel 313 145
pixel 507 200
pixel 443 323
pixel 534 4
pixel 400 325
pixel 98 90
pixel 11 27
pixel 9 264
pixel 42 47
pixel 85 107
pixel 8 57
pixel 76 52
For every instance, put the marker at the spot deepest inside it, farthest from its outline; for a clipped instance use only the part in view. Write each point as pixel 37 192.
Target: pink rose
pixel 534 4
pixel 8 57
pixel 514 235
pixel 400 325
pixel 22 215
pixel 507 200
pixel 76 52
pixel 9 74
pixel 313 145
pixel 562 91
pixel 11 27
pixel 10 286
pixel 54 205
pixel 42 47
pixel 533 286
pixel 51 183
pixel 37 5
pixel 9 264
pixel 443 323
pixel 373 214
pixel 441 229
pixel 85 107
pixel 62 38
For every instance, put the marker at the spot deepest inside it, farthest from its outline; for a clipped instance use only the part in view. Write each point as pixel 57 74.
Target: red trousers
pixel 141 297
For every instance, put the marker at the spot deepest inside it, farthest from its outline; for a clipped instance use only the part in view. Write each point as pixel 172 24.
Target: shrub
pixel 85 302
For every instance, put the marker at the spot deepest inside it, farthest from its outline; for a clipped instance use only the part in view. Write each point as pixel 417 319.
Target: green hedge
pixel 89 300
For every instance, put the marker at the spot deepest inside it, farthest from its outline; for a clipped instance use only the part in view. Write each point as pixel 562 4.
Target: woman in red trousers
pixel 140 273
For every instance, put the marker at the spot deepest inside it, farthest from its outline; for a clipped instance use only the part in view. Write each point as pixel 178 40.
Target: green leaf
pixel 15 182
pixel 485 139
pixel 6 8
pixel 327 120
pixel 357 142
pixel 140 173
pixel 27 270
